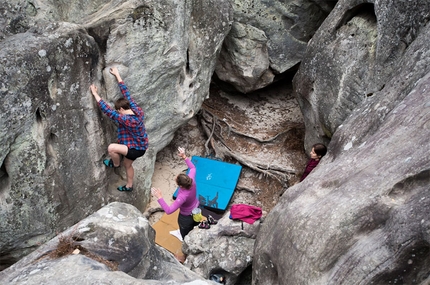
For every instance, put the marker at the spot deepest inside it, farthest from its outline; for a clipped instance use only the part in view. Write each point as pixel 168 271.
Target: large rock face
pixel 101 249
pixel 226 248
pixel 361 217
pixel 53 138
pixel 268 38
pixel 357 50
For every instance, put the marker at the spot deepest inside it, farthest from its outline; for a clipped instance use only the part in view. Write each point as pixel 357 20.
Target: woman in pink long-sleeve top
pixel 186 199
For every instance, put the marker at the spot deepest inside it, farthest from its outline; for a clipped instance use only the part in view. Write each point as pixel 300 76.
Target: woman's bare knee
pixel 117 148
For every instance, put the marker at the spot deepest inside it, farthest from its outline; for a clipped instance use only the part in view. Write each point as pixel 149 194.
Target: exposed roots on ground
pixel 247 189
pixel 208 152
pixel 208 116
pixel 210 122
pixel 149 212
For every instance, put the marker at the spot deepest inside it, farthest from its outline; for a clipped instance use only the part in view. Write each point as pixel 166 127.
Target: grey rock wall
pixel 108 247
pixel 53 138
pixel 226 248
pixel 268 38
pixel 357 50
pixel 361 217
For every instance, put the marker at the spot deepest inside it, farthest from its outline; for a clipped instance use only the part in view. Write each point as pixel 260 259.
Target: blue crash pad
pixel 215 180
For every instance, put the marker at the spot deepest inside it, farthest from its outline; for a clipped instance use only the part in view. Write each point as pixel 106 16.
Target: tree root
pixel 247 189
pixel 223 150
pixel 152 211
pixel 210 117
pixel 210 137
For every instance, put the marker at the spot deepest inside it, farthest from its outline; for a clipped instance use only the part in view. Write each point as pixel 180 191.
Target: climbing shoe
pixel 211 220
pixel 109 163
pixel 204 225
pixel 125 188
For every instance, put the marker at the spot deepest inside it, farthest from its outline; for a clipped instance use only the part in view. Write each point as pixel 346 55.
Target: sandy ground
pixel 164 178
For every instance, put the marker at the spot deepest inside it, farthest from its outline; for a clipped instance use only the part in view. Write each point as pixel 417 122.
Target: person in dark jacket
pixel 317 152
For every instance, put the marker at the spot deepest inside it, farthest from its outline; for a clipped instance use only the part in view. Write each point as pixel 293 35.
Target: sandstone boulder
pixel 226 248
pixel 356 51
pixel 361 217
pixel 53 138
pixel 101 249
pixel 267 39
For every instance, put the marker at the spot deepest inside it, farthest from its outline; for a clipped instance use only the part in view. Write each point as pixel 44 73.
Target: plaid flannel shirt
pixel 131 128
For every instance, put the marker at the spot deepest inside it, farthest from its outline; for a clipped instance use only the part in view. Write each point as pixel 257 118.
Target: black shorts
pixel 133 153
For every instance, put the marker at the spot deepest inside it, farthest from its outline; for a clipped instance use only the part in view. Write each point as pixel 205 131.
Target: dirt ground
pixel 262 131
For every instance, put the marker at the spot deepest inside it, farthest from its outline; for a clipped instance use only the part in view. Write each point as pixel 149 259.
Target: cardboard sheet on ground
pixel 216 181
pixel 169 223
pixel 163 237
